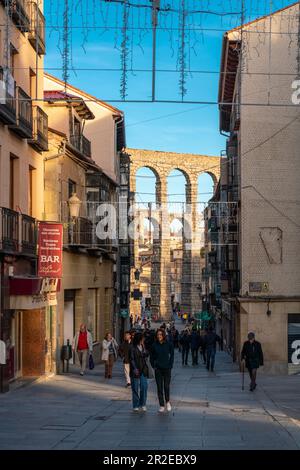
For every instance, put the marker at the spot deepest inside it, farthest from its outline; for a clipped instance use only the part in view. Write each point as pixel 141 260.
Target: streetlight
pixel 74 204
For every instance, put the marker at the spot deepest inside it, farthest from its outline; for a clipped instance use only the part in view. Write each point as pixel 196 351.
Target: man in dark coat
pixel 185 342
pixel 253 356
pixel 195 343
pixel 211 340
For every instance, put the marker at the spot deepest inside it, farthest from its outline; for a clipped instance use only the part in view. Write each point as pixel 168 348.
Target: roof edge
pixel 87 95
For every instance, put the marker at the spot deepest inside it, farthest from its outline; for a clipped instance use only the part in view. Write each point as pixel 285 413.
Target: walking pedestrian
pixel 185 341
pixel 211 340
pixel 194 347
pixel 139 373
pixel 252 354
pixel 124 352
pixel 109 354
pixel 162 360
pixel 82 345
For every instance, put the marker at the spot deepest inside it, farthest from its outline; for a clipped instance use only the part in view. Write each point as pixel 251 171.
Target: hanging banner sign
pixel 50 250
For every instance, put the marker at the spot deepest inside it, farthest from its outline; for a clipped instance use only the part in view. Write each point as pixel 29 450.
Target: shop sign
pixel 31 302
pixel 50 250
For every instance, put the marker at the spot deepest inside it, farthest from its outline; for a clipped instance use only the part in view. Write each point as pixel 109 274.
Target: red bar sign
pixel 50 250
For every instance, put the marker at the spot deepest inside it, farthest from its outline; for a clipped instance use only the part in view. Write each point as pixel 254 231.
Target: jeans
pixel 185 355
pixel 210 362
pixel 163 379
pixel 203 352
pixel 82 358
pixel 139 387
pixel 195 356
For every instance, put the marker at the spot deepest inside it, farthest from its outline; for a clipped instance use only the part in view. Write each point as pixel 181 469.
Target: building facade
pixel 26 303
pixel 91 264
pixel 261 121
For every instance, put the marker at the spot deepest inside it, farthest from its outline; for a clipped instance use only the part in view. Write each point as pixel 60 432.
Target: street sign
pixel 258 287
pixel 124 313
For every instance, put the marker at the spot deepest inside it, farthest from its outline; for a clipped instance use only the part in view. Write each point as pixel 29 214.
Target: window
pixel 31 189
pixel 12 59
pixel 77 127
pixel 13 170
pixel 71 187
pixel 32 82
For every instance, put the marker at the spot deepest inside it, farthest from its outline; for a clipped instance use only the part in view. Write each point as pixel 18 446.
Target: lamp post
pixel 74 204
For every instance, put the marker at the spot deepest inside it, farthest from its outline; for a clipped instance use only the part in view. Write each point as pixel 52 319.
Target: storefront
pixel 30 342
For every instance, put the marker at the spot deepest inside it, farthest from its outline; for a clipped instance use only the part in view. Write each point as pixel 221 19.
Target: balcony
pixel 37 29
pixel 23 127
pixel 9 231
pixel 40 130
pixel 79 233
pixel 17 233
pixel 18 11
pixel 81 144
pixel 7 97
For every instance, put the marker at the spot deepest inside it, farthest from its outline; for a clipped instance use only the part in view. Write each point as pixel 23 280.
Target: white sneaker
pixel 136 409
pixel 169 407
pixel 144 408
pixel 161 409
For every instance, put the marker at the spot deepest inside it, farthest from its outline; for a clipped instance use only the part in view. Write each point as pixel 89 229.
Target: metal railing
pixel 24 113
pixel 18 232
pixel 37 29
pixel 9 230
pixel 79 232
pixel 18 11
pixel 40 129
pixel 28 235
pixel 82 144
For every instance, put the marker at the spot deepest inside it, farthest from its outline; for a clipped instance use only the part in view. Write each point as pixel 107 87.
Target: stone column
pixel 160 268
pixel 191 269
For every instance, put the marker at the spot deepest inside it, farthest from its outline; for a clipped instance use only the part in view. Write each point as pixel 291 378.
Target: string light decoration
pixel 135 27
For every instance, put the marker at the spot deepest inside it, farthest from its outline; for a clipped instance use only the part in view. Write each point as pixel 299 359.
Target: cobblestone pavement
pixel 210 411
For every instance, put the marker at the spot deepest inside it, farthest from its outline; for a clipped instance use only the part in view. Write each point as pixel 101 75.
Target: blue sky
pixel 95 38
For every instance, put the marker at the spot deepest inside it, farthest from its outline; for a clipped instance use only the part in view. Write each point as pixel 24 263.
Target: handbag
pixel 151 373
pixel 91 362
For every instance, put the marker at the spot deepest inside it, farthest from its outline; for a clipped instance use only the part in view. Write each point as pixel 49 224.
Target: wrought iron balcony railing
pixel 28 235
pixel 18 11
pixel 9 230
pixel 40 130
pixel 24 125
pixel 37 29
pixel 82 144
pixel 18 233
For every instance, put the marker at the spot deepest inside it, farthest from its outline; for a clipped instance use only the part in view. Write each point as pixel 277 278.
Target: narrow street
pixel 210 411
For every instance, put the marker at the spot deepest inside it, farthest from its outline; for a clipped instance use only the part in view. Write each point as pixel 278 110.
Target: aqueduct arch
pixel 161 164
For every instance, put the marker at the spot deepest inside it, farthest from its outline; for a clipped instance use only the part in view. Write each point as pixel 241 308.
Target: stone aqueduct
pixel 161 164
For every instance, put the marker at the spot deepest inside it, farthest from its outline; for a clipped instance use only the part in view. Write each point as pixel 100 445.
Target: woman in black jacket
pixel 253 356
pixel 162 359
pixel 139 373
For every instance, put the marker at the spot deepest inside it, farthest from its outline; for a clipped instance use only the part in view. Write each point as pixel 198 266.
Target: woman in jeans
pixel 109 354
pixel 139 373
pixel 162 359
